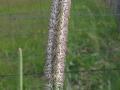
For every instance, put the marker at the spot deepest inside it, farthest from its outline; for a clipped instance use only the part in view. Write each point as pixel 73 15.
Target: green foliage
pixel 93 43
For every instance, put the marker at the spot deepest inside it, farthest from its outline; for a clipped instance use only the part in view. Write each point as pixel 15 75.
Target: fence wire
pixel 69 71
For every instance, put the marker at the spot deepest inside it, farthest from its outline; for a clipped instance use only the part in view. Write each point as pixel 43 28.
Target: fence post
pixel 21 69
pixel 56 50
pixel 109 85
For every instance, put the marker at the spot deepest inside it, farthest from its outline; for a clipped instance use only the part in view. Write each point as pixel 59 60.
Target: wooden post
pixel 56 51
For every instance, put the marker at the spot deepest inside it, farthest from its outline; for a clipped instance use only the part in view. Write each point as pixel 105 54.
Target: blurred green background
pixel 93 44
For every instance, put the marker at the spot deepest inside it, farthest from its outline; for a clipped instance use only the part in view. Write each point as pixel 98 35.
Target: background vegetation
pixel 93 43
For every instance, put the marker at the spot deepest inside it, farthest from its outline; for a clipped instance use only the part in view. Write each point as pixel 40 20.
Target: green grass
pixel 23 24
pixel 91 40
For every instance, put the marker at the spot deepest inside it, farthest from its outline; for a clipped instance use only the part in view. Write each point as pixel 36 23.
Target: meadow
pixel 93 43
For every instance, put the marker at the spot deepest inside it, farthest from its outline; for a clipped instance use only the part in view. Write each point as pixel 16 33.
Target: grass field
pixel 23 24
pixel 93 41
